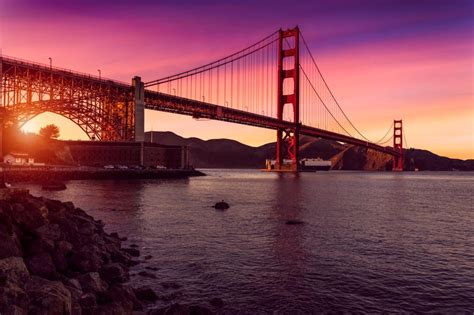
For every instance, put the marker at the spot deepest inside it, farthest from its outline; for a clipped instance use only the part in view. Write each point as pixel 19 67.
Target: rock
pixel 13 269
pixel 170 285
pixel 294 222
pixel 148 257
pixel 92 283
pixel 147 274
pixel 132 252
pixel 64 243
pixel 115 235
pixel 145 293
pixel 9 246
pixel 88 302
pixel 59 253
pixel 217 302
pixel 121 257
pixel 88 258
pixel 27 217
pixel 41 265
pixel 134 245
pixel 35 246
pixel 122 295
pixel 221 205
pixel 114 273
pixel 48 297
pixel 69 205
pixel 49 232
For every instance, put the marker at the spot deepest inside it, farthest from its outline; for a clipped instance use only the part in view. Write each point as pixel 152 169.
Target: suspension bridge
pixel 274 83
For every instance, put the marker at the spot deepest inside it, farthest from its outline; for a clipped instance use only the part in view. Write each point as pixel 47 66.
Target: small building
pixel 16 158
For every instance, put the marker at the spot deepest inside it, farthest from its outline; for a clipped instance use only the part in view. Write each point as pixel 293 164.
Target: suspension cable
pixel 322 102
pixel 215 63
pixel 330 92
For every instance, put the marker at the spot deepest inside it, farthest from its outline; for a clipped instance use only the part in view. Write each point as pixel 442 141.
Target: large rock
pixel 122 295
pixel 61 249
pixel 41 265
pixel 27 216
pixel 49 232
pixel 9 245
pixel 114 273
pixel 92 283
pixel 13 269
pixel 13 276
pixel 88 258
pixel 48 297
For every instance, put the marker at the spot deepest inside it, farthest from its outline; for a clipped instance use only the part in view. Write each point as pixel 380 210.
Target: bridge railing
pixel 46 67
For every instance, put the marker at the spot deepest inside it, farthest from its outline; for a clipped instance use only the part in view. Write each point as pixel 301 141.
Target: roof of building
pixel 18 154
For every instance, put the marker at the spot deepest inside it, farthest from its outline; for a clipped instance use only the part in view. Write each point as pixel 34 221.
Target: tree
pixel 50 131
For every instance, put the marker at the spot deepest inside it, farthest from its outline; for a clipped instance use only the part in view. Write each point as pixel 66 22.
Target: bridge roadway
pixel 179 105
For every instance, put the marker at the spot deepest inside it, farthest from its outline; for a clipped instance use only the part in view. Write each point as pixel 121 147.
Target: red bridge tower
pixel 398 145
pixel 288 139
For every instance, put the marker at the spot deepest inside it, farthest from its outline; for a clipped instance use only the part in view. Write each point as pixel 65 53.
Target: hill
pixel 225 153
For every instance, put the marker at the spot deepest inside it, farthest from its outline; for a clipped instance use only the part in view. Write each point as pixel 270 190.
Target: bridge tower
pixel 288 77
pixel 398 145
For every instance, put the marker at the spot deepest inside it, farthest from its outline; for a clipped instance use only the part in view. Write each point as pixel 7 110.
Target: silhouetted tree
pixel 50 131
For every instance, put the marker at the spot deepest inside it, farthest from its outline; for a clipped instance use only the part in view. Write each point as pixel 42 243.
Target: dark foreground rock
pixel 56 259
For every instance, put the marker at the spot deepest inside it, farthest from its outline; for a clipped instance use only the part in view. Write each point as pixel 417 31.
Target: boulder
pixel 88 258
pixel 122 295
pixel 27 217
pixel 114 273
pixel 132 251
pixel 92 283
pixel 13 269
pixel 88 303
pixel 41 265
pixel 49 232
pixel 9 245
pixel 34 246
pixel 48 297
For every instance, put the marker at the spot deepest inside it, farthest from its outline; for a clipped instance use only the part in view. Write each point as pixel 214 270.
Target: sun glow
pixel 68 129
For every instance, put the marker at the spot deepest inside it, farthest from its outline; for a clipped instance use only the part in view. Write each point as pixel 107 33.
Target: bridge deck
pixel 178 105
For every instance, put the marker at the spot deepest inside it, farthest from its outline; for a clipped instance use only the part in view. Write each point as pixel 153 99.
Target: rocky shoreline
pixel 57 259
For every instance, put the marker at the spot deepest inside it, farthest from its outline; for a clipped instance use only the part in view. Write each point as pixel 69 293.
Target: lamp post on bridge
pixel 100 73
pixel 50 63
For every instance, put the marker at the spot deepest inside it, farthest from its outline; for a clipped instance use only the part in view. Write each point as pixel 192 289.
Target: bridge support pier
pixel 288 139
pixel 398 145
pixel 139 104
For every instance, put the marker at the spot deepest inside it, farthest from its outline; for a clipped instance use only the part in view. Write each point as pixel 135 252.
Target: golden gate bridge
pixel 274 84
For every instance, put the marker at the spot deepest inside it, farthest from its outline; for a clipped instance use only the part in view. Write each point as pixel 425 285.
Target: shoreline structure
pixel 38 174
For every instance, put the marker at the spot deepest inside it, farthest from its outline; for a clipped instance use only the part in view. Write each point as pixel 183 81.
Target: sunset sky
pixel 384 60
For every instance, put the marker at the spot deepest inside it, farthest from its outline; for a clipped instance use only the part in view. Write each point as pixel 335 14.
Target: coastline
pixel 57 259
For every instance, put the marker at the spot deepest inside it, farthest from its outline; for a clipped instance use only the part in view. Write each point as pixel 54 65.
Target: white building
pixel 15 158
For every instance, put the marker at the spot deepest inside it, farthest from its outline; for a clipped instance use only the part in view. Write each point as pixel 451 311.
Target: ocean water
pixel 369 242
